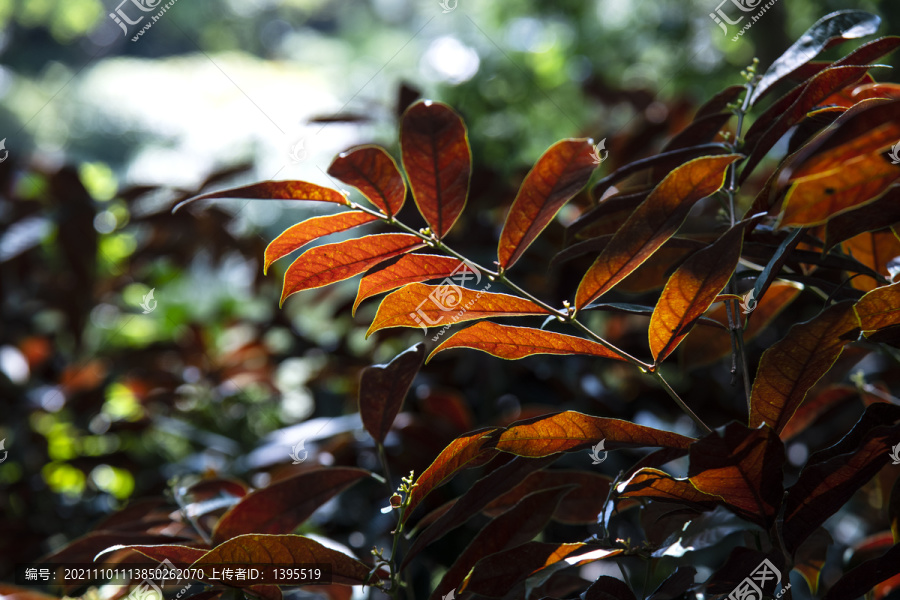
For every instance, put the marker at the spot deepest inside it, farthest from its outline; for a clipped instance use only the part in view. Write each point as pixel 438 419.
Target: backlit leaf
pixel 743 467
pixel 609 588
pixel 652 223
pixel 459 454
pixel 330 263
pixel 560 173
pixel 437 161
pixel 833 475
pixel 409 268
pixel 813 199
pixel 811 556
pixel 512 343
pixel 373 172
pixel 260 550
pixel 819 87
pixel 815 406
pixel 276 190
pixel 691 291
pixel 382 389
pixel 179 555
pixel 658 485
pixel 788 369
pixel 281 506
pixel 705 345
pixel 301 234
pixel 875 250
pixel 516 526
pixel 417 305
pixel 570 430
pixel 879 309
pixel 842 24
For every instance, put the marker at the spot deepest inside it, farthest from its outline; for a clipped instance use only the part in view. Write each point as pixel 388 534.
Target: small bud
pixel 396 500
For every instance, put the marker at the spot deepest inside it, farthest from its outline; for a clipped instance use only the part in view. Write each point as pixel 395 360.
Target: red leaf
pixel 652 223
pixel 260 550
pixel 744 467
pixel 373 172
pixel 178 555
pixel 330 263
pixel 409 268
pixel 438 162
pixel 276 190
pixel 461 453
pixel 655 484
pixel 282 506
pixel 833 475
pixel 417 304
pixel 301 234
pixel 560 173
pixel 819 87
pixel 512 343
pixel 884 211
pixel 692 289
pixel 879 309
pixel 570 430
pixel 382 389
pixel 874 250
pixel 789 369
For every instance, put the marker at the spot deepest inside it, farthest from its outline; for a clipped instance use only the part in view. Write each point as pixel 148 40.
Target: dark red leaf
pixel 373 172
pixel 382 389
pixel 438 162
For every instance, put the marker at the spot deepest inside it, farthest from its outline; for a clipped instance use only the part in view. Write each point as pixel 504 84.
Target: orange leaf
pixel 382 389
pixel 281 506
pixel 658 485
pixel 653 222
pixel 706 344
pixel 879 309
pixel 409 268
pixel 512 343
pixel 560 173
pixel 795 363
pixel 260 550
pixel 743 467
pixel 417 304
pixel 276 190
pixel 373 172
pixel 876 138
pixel 874 250
pixel 301 234
pixel 813 199
pixel 570 430
pixel 437 161
pixel 329 263
pixel 692 289
pixel 460 453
